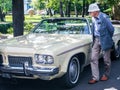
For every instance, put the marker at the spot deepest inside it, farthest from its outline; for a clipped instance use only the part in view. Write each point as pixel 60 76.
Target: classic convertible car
pixel 55 48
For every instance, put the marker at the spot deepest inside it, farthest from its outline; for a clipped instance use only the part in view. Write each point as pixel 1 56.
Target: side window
pixel 84 29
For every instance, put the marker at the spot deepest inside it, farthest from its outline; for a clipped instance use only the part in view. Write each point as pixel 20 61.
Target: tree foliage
pixel 67 7
pixel 5 6
pixel 111 6
pixel 38 4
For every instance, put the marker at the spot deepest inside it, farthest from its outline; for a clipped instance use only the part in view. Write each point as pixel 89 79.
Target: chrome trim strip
pixel 73 49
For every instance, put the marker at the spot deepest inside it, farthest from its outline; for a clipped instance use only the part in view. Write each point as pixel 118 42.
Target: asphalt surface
pixel 112 84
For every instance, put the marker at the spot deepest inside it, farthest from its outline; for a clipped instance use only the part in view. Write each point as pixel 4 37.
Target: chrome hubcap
pixel 74 70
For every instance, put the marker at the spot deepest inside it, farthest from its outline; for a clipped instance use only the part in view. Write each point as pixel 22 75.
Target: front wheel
pixel 71 78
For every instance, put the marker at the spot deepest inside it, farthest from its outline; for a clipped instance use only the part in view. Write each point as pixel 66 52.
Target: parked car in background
pixel 55 48
pixel 42 12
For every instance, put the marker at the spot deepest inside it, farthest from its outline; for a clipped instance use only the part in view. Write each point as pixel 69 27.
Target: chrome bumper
pixel 27 71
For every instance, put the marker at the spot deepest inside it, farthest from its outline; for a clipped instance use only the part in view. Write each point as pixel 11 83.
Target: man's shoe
pixel 92 81
pixel 104 78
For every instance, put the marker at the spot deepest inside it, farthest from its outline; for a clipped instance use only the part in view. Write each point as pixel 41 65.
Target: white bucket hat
pixel 93 7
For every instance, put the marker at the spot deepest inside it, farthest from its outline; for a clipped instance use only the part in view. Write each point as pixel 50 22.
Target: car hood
pixel 45 41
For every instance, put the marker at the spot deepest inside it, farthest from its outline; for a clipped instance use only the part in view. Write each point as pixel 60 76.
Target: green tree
pixel 5 6
pixel 113 5
pixel 42 4
pixel 64 7
pixel 38 4
pixel 75 2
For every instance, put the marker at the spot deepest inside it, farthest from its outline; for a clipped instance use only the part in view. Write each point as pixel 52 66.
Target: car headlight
pixel 43 59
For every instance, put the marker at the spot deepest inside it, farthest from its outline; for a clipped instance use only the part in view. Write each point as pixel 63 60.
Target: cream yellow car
pixel 55 48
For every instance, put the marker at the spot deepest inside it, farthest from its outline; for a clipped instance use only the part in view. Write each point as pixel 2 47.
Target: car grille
pixel 17 61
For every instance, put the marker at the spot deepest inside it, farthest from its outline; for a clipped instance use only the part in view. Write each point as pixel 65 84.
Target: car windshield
pixel 63 26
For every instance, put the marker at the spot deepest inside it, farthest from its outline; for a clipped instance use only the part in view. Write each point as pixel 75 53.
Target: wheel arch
pixel 81 56
pixel 118 42
pixel 65 78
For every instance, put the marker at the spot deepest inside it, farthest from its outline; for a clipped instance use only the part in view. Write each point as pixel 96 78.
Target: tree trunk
pixel 86 7
pixel 68 7
pixel 75 8
pixel 116 12
pixel 2 15
pixel 50 12
pixel 83 9
pixel 66 12
pixel 61 9
pixel 18 17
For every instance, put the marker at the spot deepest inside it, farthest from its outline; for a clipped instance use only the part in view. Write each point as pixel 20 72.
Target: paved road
pixel 113 82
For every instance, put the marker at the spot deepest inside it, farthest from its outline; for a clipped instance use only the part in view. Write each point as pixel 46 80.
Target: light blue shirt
pixel 96 22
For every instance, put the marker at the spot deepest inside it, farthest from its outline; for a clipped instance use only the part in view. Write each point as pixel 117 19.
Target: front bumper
pixel 30 71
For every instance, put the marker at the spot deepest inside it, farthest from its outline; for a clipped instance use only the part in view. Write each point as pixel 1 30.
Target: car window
pixel 63 26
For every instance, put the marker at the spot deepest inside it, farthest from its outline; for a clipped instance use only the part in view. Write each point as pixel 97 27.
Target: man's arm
pixel 109 24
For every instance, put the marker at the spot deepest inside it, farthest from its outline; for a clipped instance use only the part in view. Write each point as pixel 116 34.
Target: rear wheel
pixel 71 78
pixel 118 51
pixel 113 53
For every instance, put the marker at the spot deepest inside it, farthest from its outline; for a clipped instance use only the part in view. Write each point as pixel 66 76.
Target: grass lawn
pixel 28 18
